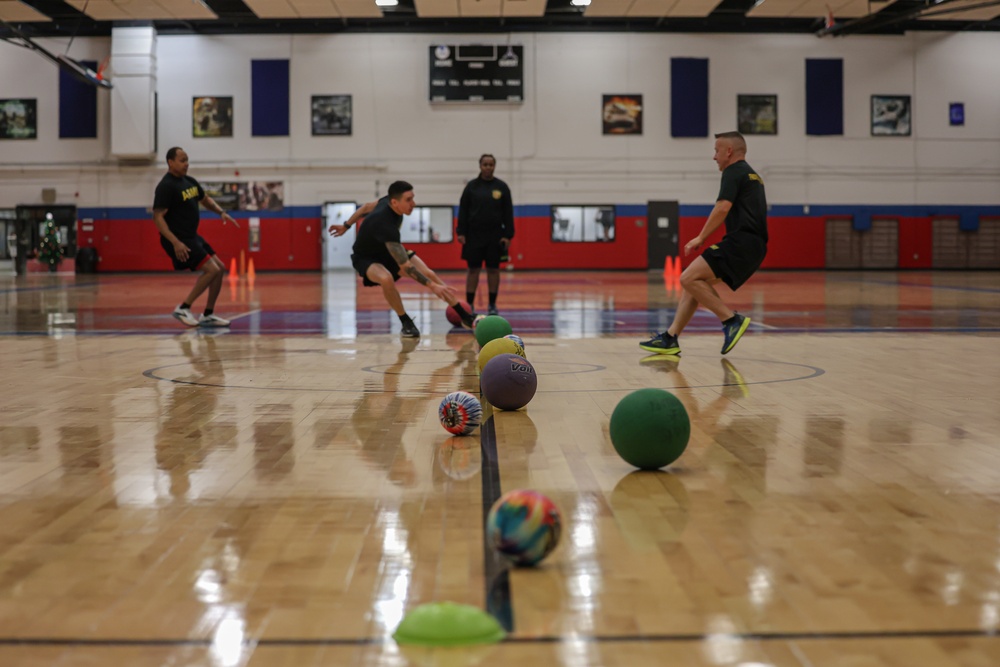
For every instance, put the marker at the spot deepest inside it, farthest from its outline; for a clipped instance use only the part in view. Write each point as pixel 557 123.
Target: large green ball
pixel 490 328
pixel 650 428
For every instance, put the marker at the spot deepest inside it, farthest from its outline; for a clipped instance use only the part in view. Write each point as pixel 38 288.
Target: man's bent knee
pixel 379 274
pixel 698 270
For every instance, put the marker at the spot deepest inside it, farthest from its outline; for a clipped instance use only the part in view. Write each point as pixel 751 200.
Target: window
pixel 428 224
pixel 8 235
pixel 583 223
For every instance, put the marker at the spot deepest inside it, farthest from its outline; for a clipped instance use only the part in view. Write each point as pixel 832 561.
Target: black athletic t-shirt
pixel 485 212
pixel 381 226
pixel 180 196
pixel 745 189
pixel 382 203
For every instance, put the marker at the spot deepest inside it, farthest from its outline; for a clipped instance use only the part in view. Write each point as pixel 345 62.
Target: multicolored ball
pixel 517 339
pixel 524 526
pixel 495 347
pixel 460 413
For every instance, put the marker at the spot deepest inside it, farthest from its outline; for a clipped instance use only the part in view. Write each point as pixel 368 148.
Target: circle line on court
pixel 152 373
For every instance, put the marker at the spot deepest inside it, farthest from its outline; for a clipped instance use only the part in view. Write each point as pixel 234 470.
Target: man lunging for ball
pixel 379 257
pixel 742 205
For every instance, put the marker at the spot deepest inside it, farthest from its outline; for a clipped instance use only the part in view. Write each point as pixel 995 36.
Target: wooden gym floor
pixel 282 494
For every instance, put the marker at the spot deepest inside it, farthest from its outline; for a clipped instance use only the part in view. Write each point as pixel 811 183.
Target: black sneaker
pixel 469 320
pixel 662 343
pixel 734 331
pixel 410 330
pixel 493 310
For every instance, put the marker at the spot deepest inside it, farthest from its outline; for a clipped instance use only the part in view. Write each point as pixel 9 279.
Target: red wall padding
pixel 134 245
pixel 295 244
pixel 793 242
pixel 916 242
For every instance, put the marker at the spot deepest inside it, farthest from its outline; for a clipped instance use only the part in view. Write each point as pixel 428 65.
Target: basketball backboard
pixel 74 67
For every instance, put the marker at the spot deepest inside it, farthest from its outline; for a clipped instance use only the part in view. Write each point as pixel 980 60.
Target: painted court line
pixel 249 312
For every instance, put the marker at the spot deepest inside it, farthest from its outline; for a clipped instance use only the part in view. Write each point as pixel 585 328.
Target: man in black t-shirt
pixel 742 205
pixel 175 212
pixel 358 217
pixel 379 257
pixel 485 228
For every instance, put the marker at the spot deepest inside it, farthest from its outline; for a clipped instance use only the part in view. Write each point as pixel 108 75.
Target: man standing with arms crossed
pixel 175 212
pixel 742 205
pixel 485 228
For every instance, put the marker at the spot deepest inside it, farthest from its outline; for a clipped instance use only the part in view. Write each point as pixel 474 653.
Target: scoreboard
pixel 477 73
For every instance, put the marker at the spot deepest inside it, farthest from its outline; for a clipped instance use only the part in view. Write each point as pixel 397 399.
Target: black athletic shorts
pixel 475 256
pixel 736 257
pixel 199 252
pixel 361 265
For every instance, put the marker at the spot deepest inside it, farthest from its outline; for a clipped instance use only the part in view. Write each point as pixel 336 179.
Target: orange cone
pixel 677 267
pixel 243 264
pixel 232 270
pixel 668 266
pixel 251 274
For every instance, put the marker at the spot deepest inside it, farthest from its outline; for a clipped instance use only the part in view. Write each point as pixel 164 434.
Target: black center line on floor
pixel 495 568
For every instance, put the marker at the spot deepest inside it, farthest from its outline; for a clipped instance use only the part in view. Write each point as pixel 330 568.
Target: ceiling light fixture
pixel 386 3
pixel 580 3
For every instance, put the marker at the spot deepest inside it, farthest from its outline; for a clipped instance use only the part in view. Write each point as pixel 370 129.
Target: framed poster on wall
pixel 247 196
pixel 891 115
pixel 212 117
pixel 621 114
pixel 331 115
pixel 757 114
pixel 19 119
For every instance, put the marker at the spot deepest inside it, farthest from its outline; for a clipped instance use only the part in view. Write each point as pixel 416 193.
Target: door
pixel 663 232
pixel 8 240
pixel 31 222
pixel 337 251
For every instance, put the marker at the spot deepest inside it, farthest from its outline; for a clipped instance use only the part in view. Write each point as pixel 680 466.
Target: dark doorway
pixel 663 229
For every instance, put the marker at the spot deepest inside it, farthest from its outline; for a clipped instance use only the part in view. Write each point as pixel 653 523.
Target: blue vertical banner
pixel 77 105
pixel 689 97
pixel 269 98
pixel 824 96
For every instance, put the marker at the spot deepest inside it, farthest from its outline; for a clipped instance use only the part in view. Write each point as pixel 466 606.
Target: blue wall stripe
pixel 77 105
pixel 968 221
pixel 142 213
pixel 967 214
pixel 862 221
pixel 689 97
pixel 824 96
pixel 269 98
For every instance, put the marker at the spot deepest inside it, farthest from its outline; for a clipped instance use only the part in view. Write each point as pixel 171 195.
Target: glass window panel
pixel 427 224
pixel 583 224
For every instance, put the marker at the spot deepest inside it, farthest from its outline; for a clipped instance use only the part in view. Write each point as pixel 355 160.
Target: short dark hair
pixel 739 143
pixel 486 155
pixel 172 153
pixel 399 188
